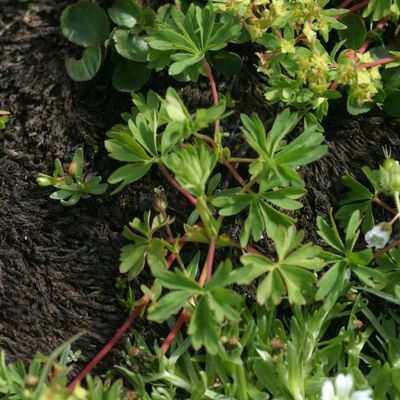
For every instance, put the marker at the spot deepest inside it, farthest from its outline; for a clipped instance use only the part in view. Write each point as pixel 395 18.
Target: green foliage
pixel 88 25
pixel 46 377
pixel 291 274
pixel 345 259
pixel 198 163
pixel 276 324
pixel 359 198
pixel 71 185
pixel 187 38
pixel 145 247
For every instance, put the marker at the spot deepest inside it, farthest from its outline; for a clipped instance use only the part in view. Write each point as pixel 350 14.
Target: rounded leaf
pixel 125 13
pixel 85 68
pixel 85 23
pixel 130 45
pixel 130 75
pixel 355 34
pixel 227 63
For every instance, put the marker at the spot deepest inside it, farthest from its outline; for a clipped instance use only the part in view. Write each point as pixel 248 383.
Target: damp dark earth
pixel 58 265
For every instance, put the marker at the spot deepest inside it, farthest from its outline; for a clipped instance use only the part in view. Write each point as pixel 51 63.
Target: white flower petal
pixel 378 236
pixel 343 385
pixel 328 391
pixel 362 395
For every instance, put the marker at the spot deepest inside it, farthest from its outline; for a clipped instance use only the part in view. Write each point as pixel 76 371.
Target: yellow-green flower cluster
pixel 313 71
pixel 363 83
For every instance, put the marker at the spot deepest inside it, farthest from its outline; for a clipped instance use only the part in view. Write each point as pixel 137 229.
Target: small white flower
pixel 344 385
pixel 343 390
pixel 379 235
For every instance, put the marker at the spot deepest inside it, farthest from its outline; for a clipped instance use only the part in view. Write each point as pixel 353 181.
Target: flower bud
pixel 72 168
pixel 31 380
pixel 379 235
pixel 390 176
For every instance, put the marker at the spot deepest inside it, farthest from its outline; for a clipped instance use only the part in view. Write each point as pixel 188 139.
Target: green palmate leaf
pixel 128 174
pixel 85 23
pixel 290 275
pixel 192 167
pixel 130 75
pixel 182 61
pixel 125 13
pixel 273 156
pixel 85 68
pixel 203 329
pixel 331 282
pixel 168 305
pixel 188 37
pixel 262 217
pixel 130 45
pixel 359 198
pixel 178 281
pixel 144 247
pixel 132 259
pixel 224 304
pixel 330 234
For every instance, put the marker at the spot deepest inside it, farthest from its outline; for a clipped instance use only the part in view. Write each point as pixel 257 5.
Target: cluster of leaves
pixel 233 351
pixel 300 68
pixel 287 358
pixel 89 26
pixel 71 185
pixel 143 40
pixel 47 376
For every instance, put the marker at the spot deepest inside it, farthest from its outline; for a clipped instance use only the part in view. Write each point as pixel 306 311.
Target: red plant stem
pixel 381 61
pixel 210 257
pixel 359 6
pixel 355 8
pixel 106 349
pixel 249 249
pixel 344 4
pixel 212 82
pixel 378 27
pixel 213 90
pixel 176 185
pixel 364 47
pixel 183 317
pixel 233 171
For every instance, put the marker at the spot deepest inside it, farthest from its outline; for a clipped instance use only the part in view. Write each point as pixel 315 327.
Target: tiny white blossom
pixel 343 390
pixel 379 235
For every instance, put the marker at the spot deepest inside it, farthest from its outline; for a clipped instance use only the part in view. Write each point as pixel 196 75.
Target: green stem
pixel 397 200
pixel 242 160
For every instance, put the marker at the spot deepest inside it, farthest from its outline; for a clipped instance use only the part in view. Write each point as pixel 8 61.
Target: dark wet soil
pixel 58 265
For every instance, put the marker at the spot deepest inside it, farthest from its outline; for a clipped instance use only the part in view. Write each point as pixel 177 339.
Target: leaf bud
pixel 72 168
pixel 276 344
pixel 358 324
pixel 31 380
pixel 160 201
